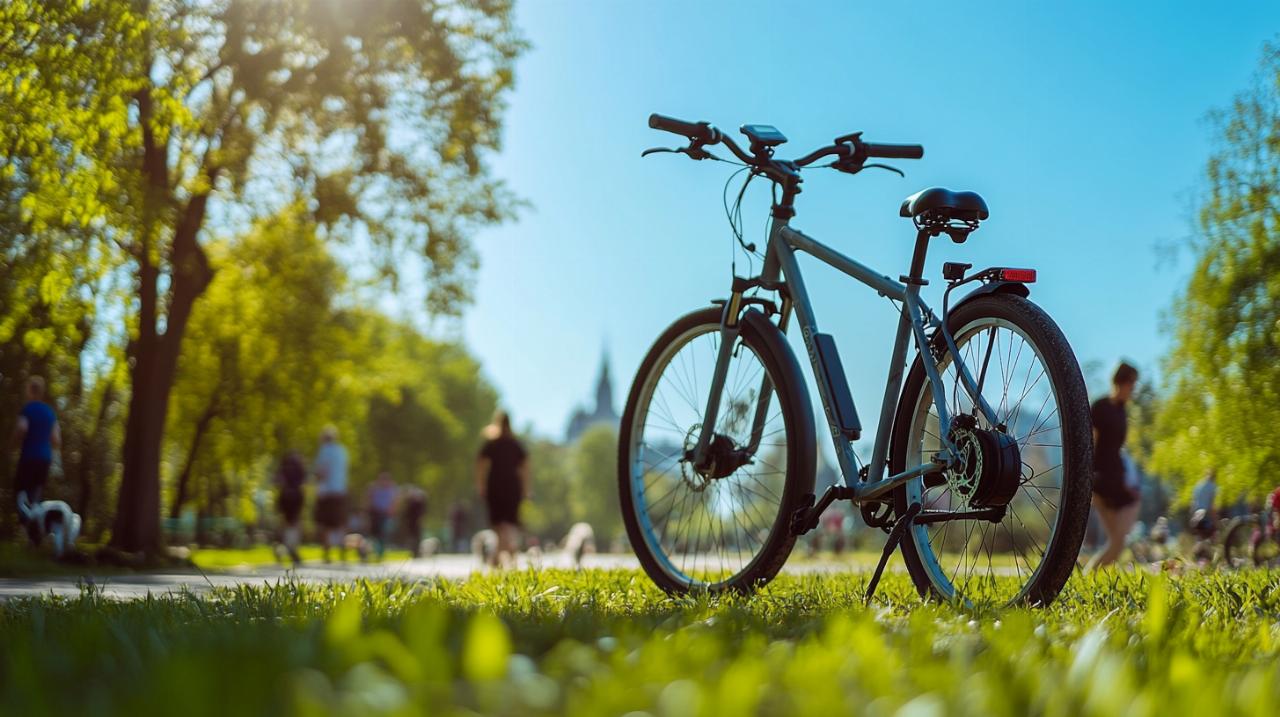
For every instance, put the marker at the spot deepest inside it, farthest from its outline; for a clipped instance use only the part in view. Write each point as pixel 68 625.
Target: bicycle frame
pixel 915 322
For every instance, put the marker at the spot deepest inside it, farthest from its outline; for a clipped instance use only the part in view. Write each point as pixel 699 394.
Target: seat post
pixel 917 257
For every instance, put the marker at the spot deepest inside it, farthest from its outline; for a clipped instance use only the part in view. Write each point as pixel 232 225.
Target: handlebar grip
pixel 894 151
pixel 693 130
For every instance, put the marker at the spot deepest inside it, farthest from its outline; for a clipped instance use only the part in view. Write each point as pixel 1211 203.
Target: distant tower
pixel 604 388
pixel 583 419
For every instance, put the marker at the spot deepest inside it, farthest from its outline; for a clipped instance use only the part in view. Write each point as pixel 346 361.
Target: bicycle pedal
pixel 801 522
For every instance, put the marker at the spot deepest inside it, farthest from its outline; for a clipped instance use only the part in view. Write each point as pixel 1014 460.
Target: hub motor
pixel 723 457
pixel 990 465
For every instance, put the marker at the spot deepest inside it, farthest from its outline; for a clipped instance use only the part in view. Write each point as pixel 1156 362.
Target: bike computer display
pixel 764 134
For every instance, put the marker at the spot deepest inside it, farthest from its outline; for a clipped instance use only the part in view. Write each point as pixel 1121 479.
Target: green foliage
pixel 575 483
pixel 609 643
pixel 593 489
pixel 272 355
pixel 131 125
pixel 547 512
pixel 60 286
pixel 1223 372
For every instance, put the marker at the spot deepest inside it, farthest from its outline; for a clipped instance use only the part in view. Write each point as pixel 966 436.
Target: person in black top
pixel 1114 501
pixel 415 506
pixel 290 477
pixel 502 481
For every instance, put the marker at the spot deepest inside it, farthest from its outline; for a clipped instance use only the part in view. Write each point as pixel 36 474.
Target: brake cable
pixel 734 215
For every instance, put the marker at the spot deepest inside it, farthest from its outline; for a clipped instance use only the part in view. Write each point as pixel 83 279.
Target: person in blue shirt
pixel 36 435
pixel 330 468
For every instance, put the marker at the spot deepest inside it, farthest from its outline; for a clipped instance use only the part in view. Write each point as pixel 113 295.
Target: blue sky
pixel 1081 123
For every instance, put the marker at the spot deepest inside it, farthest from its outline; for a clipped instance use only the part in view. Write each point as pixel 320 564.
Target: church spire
pixel 604 387
pixel 584 417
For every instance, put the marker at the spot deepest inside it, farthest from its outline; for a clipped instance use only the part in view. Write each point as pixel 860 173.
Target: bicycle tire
pixel 1266 551
pixel 766 342
pixel 1059 556
pixel 1237 539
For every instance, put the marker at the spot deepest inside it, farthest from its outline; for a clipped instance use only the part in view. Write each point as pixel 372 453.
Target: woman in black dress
pixel 502 480
pixel 1115 503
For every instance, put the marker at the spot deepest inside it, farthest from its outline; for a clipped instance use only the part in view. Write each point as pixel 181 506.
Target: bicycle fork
pixel 730 330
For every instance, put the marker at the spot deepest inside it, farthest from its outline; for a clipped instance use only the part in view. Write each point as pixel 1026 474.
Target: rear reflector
pixel 1025 276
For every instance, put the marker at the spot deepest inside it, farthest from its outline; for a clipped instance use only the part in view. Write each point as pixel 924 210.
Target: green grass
pixel 17 560
pixel 227 558
pixel 608 643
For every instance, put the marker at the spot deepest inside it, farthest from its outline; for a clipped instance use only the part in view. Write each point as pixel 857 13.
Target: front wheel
pixel 1030 378
pixel 726 526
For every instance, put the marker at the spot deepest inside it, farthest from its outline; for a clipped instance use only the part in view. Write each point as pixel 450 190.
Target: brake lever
pixel 899 172
pixel 694 151
pixel 850 168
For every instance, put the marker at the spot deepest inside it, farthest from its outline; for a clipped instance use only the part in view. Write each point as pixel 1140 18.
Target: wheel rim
pixel 1235 547
pixel 1267 552
pixel 705 532
pixel 968 558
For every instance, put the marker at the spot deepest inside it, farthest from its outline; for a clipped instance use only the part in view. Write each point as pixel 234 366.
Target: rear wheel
pixel 1237 543
pixel 1266 551
pixel 1033 383
pixel 726 527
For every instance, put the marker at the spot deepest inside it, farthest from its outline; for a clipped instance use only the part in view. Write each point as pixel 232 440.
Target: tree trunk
pixel 184 477
pixel 91 455
pixel 155 363
pixel 154 355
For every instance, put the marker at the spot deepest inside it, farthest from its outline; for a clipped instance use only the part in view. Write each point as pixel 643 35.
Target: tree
pixel 381 115
pixel 258 345
pixel 58 270
pixel 1222 402
pixel 548 512
pixel 272 354
pixel 593 495
pixel 426 405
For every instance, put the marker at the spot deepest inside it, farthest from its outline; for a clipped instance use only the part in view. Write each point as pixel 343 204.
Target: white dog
pixel 484 545
pixel 53 518
pixel 580 542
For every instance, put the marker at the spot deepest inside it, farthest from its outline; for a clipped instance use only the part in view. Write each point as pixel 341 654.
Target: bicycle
pixel 1252 540
pixel 1238 539
pixel 717 444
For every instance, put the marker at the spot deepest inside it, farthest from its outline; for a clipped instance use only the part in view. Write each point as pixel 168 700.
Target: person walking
pixel 1114 501
pixel 415 507
pixel 36 435
pixel 383 495
pixel 289 479
pixel 502 482
pixel 330 468
pixel 1205 495
pixel 458 523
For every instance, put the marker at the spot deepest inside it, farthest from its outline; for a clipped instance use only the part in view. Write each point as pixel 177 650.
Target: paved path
pixel 442 566
pixel 139 585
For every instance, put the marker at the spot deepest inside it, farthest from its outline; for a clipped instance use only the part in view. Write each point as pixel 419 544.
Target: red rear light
pixel 1022 276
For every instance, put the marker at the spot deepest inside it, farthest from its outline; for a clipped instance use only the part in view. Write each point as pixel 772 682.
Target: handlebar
pixel 894 151
pixel 698 131
pixel 850 150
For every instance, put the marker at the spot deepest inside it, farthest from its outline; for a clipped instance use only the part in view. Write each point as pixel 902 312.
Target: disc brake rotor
pixel 989 469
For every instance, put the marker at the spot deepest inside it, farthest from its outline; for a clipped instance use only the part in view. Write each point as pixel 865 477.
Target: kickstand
pixel 895 537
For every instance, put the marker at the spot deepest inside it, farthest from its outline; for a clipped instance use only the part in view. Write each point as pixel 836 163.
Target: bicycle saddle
pixel 966 206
